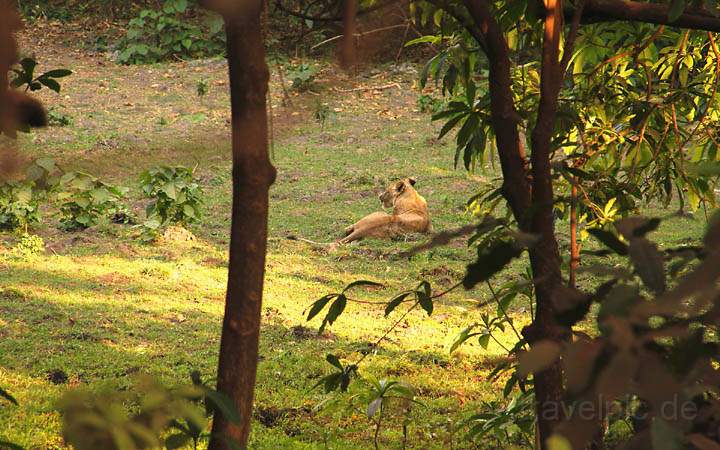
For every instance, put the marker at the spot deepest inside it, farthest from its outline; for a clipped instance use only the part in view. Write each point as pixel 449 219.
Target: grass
pixel 102 308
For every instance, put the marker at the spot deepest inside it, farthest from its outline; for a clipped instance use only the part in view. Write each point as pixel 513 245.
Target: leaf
pixel 675 10
pixel 334 360
pixel 491 260
pixel 374 406
pixel 665 436
pixel 425 302
pixel 540 356
pixel 46 163
pixel 11 446
pixel 463 336
pixel 337 307
pixel 57 73
pixel 176 441
pixel 223 404
pixel 394 303
pixel 4 394
pixel 649 264
pixel 361 283
pixel 610 240
pixel 319 304
pixel 558 442
pixel 449 125
pixel 432 39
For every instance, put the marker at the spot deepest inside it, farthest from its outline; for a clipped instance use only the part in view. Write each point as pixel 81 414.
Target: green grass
pixel 104 308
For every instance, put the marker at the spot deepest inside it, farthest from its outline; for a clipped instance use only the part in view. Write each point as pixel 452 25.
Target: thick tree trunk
pixel 252 175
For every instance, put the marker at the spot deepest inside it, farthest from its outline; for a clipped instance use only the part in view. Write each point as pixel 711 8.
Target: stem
pixel 574 249
pixel 377 427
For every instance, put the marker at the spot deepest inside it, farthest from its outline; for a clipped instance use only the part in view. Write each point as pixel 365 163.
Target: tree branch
pixel 623 10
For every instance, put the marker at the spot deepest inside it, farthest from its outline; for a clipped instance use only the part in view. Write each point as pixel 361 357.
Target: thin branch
pixel 358 35
pixel 572 36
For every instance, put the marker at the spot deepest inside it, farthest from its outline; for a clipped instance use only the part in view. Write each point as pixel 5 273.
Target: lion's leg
pixel 372 225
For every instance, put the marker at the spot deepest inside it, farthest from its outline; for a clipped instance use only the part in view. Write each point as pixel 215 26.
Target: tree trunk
pixel 545 256
pixel 252 175
pixel 574 248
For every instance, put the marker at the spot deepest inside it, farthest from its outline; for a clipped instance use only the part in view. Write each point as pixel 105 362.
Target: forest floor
pixel 99 307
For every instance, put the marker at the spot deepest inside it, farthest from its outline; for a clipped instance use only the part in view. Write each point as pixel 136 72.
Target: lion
pixel 409 215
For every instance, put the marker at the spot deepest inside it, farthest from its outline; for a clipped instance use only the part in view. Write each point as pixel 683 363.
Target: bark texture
pixel 252 175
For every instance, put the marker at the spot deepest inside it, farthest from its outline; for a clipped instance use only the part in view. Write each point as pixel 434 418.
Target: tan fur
pixel 409 215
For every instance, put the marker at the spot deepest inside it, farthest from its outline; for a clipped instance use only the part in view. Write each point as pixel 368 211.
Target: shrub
pixel 20 200
pixel 177 197
pixel 29 245
pixel 86 199
pixel 156 35
pixel 302 76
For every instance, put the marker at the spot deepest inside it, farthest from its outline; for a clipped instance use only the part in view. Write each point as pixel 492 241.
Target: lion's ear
pixel 412 181
pixel 400 186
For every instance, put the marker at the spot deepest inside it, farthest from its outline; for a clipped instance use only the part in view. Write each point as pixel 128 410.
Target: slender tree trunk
pixel 252 175
pixel 574 248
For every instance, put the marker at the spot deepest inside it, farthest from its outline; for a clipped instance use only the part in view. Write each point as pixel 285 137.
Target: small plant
pixel 202 88
pixel 428 103
pixel 29 245
pixel 86 199
pixel 59 119
pixel 25 76
pixel 380 396
pixel 19 205
pixel 148 415
pixel 510 423
pixel 177 197
pixel 302 76
pixel 155 35
pixel 323 113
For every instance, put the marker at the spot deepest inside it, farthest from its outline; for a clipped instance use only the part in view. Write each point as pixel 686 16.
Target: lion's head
pixel 395 190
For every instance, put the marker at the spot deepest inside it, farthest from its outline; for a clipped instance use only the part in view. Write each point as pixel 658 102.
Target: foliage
pixel 201 88
pixel 428 103
pixel 59 119
pixel 159 34
pixel 504 422
pixel 29 245
pixel 143 416
pixel 20 200
pixel 85 199
pixel 302 76
pixel 323 113
pixel 25 76
pixel 177 198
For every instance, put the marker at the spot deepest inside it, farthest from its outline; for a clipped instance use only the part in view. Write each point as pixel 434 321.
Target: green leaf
pixel 610 240
pixel 337 307
pixel 432 39
pixel 50 83
pixel 675 9
pixel 334 360
pixel 223 404
pixel 319 304
pixel 463 336
pixel 395 302
pixel 57 73
pixel 175 441
pixel 361 283
pixel 491 260
pixel 10 446
pixel 649 264
pixel 449 125
pixel 540 356
pixel 4 394
pixel 425 302
pixel 46 163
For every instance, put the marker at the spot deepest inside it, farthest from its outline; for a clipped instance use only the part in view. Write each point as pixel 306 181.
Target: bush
pixel 29 245
pixel 86 199
pixel 20 200
pixel 177 196
pixel 302 76
pixel 156 35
